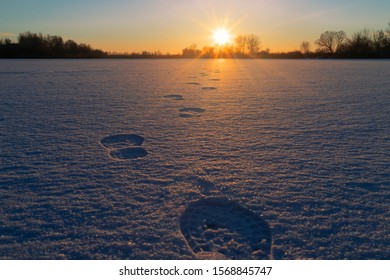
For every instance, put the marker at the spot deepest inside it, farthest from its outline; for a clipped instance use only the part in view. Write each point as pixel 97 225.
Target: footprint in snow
pixel 128 153
pixel 192 109
pixel 124 146
pixel 190 112
pixel 174 96
pixel 121 140
pixel 186 116
pixel 217 228
pixel 209 88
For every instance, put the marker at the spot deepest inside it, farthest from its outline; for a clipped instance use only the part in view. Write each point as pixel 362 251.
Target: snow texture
pixel 194 159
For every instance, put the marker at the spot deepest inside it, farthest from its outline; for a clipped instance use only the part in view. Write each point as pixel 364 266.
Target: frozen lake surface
pixel 184 159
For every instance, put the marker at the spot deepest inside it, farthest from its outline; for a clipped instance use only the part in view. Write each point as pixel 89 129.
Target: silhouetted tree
pixel 253 43
pixel 224 51
pixel 5 41
pixel 191 51
pixel 70 47
pixel 33 45
pixel 241 43
pixel 207 52
pixel 305 47
pixel 56 45
pixel 331 41
pixel 247 44
pixel 265 53
pixel 8 49
pixel 361 44
pixel 381 42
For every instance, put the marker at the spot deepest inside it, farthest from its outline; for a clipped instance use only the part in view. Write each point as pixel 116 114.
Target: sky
pixel 171 25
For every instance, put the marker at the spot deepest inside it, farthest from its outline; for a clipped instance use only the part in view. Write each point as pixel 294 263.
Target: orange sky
pixel 171 25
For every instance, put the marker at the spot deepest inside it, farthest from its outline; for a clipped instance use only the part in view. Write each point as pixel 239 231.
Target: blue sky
pixel 170 25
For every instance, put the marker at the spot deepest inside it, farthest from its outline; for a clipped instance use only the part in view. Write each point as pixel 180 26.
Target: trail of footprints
pixel 189 112
pixel 214 228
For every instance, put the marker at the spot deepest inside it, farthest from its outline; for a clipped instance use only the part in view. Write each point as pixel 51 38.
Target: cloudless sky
pixel 171 25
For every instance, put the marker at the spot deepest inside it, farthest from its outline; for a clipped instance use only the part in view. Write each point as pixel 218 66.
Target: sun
pixel 221 36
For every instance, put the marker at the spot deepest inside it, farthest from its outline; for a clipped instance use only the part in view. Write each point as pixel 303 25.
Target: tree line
pixel 330 44
pixel 33 45
pixel 362 44
pixel 245 46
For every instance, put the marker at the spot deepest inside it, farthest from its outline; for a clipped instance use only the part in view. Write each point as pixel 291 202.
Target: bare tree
pixel 340 38
pixel 208 52
pixel 361 43
pixel 247 43
pixel 305 47
pixel 191 51
pixel 253 43
pixel 331 41
pixel 240 41
pixel 379 40
pixel 6 41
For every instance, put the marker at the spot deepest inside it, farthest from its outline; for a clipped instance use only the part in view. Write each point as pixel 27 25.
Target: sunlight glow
pixel 221 36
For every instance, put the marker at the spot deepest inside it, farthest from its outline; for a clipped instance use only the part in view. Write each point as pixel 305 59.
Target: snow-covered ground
pixel 183 159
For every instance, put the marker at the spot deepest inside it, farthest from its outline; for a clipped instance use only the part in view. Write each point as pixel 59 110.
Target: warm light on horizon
pixel 170 26
pixel 221 36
